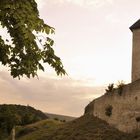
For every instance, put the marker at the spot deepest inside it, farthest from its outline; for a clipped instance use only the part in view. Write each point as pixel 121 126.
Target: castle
pixel 121 107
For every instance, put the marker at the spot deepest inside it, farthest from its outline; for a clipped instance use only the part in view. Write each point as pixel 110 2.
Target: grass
pixel 60 117
pixel 86 127
pixel 36 130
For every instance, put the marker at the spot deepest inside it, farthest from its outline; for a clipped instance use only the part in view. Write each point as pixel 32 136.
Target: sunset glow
pixel 95 44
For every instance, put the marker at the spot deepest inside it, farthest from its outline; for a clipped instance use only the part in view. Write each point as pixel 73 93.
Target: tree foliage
pixel 11 115
pixel 23 55
pixel 120 86
pixel 110 88
pixel 108 110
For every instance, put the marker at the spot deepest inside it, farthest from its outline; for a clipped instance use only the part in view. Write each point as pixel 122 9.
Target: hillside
pixel 86 127
pixel 60 117
pixel 11 115
pixel 37 130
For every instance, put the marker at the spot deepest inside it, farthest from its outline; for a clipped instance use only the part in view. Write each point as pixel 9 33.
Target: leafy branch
pixel 23 56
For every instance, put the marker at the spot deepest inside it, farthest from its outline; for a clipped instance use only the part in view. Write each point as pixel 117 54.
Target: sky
pixel 95 44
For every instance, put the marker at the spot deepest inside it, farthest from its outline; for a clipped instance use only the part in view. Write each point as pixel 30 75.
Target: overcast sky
pixel 94 42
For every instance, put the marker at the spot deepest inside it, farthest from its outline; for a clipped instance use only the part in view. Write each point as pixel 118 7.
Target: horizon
pixel 94 43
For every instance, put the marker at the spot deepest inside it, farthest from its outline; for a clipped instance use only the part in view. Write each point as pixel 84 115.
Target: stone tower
pixel 135 28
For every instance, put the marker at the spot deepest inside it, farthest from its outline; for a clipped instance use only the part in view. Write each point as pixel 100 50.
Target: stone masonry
pixel 124 112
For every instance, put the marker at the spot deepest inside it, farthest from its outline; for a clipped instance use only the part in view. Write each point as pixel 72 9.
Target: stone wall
pixel 136 55
pixel 125 114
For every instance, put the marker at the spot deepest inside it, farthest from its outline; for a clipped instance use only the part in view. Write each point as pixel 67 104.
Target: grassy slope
pixel 60 117
pixel 84 128
pixel 36 130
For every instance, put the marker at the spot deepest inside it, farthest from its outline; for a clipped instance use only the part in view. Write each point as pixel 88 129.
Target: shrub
pixel 63 120
pixel 56 119
pixel 120 87
pixel 108 110
pixel 138 119
pixel 110 88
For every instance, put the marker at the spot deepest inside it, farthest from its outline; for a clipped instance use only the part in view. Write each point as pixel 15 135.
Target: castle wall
pixel 136 55
pixel 125 107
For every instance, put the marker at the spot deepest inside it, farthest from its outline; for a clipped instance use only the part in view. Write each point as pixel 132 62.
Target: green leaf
pixel 41 67
pixel 24 56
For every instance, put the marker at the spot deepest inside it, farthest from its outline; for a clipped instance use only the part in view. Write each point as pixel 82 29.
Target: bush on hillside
pixel 11 115
pixel 108 110
pixel 109 88
pixel 120 87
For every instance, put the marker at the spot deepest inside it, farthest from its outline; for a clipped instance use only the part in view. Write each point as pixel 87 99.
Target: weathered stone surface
pixel 126 107
pixel 136 55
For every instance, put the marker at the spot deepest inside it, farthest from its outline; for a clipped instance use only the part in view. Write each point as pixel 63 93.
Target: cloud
pixel 86 3
pixel 81 3
pixel 63 96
